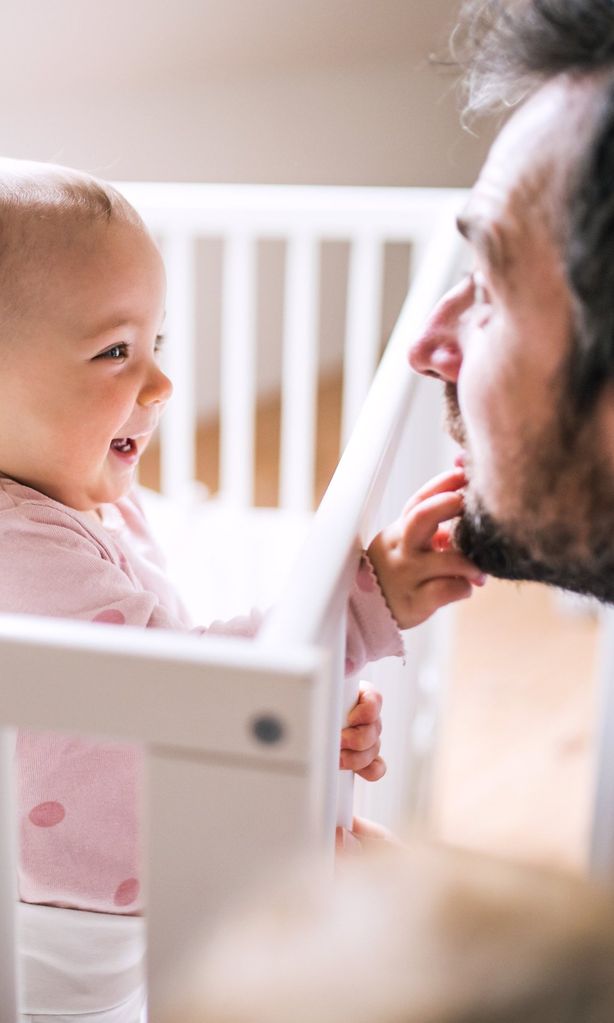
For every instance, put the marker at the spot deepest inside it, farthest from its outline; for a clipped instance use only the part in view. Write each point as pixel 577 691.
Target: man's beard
pixel 562 529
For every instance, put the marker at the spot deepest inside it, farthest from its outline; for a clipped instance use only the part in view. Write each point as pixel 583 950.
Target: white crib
pixel 249 731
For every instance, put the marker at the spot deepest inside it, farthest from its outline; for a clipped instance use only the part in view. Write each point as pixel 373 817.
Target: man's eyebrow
pixel 487 240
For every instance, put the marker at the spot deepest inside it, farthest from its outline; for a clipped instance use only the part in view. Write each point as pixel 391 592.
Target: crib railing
pixel 233 737
pixel 376 470
pixel 303 218
pixel 245 734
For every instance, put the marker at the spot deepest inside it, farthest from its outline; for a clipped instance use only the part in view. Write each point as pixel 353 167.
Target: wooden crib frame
pixel 248 731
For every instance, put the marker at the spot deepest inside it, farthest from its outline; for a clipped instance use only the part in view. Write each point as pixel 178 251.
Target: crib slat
pixel 238 371
pixel 602 824
pixel 8 874
pixel 178 426
pixel 362 330
pixel 299 374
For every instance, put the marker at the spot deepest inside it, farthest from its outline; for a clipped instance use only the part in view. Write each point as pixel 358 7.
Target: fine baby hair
pixel 42 207
pixel 422 934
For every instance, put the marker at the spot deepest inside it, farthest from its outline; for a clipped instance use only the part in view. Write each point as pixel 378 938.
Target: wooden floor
pixel 515 757
pixel 514 767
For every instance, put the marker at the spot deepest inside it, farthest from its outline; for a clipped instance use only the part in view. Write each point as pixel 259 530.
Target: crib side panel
pixel 234 737
pixel 217 830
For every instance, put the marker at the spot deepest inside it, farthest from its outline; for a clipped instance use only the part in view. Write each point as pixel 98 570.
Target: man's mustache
pixel 454 419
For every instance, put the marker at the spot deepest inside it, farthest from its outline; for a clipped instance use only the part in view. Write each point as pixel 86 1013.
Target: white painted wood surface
pixel 194 702
pixel 224 806
pixel 238 365
pixel 300 374
pixel 363 335
pixel 317 588
pixel 178 447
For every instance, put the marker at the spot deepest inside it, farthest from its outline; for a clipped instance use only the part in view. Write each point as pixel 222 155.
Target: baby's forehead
pixel 35 245
pixel 53 266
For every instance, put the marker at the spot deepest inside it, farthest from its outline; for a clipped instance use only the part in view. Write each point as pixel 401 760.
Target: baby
pixel 82 293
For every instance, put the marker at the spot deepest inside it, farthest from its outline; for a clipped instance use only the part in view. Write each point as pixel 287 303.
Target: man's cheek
pixel 485 439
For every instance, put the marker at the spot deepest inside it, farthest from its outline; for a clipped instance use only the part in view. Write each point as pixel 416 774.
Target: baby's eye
pixel 115 353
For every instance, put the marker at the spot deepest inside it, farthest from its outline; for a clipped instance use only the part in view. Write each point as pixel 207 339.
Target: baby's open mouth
pixel 124 446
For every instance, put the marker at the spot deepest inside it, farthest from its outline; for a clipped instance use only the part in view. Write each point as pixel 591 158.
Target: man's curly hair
pixel 507 49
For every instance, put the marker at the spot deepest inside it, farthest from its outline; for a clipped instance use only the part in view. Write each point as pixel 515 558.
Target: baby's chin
pixel 91 500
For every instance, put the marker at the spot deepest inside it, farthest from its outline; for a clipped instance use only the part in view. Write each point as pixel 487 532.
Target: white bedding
pixel 224 561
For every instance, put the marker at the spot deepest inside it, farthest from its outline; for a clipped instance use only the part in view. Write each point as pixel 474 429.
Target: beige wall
pixel 336 92
pixel 271 91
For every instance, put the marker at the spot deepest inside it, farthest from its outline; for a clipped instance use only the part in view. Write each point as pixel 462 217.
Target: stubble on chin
pixel 560 529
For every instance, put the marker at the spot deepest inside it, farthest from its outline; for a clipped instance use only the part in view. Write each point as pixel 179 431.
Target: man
pixel 525 345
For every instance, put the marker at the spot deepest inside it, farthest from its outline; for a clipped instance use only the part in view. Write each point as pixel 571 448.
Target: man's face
pixel 540 496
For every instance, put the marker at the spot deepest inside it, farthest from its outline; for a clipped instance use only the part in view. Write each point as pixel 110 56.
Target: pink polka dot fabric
pixel 81 849
pixel 127 892
pixel 47 815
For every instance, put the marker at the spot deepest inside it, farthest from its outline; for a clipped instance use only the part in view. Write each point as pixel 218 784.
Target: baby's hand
pixel 360 739
pixel 417 567
pixel 365 834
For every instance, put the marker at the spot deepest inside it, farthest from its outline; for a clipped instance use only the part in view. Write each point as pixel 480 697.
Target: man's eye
pixel 115 353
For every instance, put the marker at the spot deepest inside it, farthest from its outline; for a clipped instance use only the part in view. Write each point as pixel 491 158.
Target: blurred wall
pixel 324 91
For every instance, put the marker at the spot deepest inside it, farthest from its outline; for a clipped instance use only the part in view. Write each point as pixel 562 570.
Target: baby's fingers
pixel 361 737
pixel 437 564
pixel 368 707
pixel 423 521
pixel 368 765
pixel 453 479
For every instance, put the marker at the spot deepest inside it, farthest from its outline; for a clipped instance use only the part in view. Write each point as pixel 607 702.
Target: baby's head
pixel 419 935
pixel 81 307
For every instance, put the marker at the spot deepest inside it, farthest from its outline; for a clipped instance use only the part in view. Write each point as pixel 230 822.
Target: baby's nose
pixel 157 390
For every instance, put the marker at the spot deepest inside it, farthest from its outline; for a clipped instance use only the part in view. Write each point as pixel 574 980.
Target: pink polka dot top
pixel 78 799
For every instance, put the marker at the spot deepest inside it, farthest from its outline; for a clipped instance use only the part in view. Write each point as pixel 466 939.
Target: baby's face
pixel 81 390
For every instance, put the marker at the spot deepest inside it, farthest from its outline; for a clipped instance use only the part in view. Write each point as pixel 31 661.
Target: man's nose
pixel 157 389
pixel 437 352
